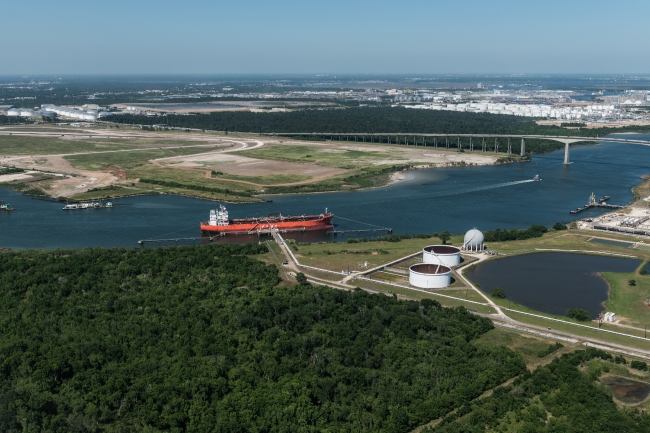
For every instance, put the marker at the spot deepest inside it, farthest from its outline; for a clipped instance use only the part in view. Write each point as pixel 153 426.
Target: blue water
pixel 433 200
pixel 552 282
pixel 611 242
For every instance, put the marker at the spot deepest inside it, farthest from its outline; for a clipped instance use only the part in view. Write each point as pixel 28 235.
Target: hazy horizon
pixel 289 37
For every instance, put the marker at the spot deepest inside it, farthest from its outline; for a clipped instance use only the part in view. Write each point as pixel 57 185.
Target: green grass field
pixel 627 301
pixel 128 159
pixel 20 145
pixel 340 158
pixel 272 179
pixel 340 255
pixel 25 145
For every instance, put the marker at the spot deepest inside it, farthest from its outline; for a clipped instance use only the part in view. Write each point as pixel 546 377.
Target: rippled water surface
pixel 432 200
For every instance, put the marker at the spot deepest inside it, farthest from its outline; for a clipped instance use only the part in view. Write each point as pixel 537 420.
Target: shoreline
pixel 393 178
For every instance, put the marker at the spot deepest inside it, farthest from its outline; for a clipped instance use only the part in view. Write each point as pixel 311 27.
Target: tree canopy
pixel 554 398
pixel 203 339
pixel 393 120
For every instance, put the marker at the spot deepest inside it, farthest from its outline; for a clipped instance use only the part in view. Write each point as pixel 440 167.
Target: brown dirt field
pixel 226 160
pixel 231 163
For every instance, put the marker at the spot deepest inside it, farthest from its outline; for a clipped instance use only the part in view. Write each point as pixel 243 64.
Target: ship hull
pixel 283 225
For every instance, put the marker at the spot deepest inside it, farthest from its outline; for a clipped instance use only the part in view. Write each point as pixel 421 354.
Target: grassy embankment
pixel 366 169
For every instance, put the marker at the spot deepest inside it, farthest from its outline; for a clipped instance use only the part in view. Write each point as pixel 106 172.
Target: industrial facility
pixel 473 241
pixel 593 112
pixel 429 276
pixel 445 255
pixel 51 111
pixel 633 221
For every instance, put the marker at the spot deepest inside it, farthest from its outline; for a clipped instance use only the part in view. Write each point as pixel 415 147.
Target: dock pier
pixel 374 231
pixel 601 202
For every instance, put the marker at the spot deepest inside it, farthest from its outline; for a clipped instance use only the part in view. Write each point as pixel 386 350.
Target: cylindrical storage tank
pixel 473 240
pixel 429 276
pixel 445 255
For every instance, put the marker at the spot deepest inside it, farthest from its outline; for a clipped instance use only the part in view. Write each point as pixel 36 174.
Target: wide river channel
pixel 432 200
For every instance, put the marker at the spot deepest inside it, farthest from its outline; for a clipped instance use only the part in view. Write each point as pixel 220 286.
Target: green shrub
pixel 550 349
pixel 578 314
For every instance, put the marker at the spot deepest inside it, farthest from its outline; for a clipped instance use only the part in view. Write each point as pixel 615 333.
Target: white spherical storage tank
pixel 429 276
pixel 445 255
pixel 473 240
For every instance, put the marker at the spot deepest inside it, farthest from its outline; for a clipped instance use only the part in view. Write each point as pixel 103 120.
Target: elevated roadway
pixel 566 139
pixel 408 138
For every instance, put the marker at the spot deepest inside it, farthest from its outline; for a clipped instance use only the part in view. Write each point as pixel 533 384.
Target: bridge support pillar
pixel 566 153
pixel 523 147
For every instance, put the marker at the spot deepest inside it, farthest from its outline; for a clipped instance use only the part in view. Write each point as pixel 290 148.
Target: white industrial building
pixel 609 317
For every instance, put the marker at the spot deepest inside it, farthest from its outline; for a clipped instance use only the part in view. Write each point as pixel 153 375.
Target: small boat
pixel 91 205
pixel 537 178
pixel 5 206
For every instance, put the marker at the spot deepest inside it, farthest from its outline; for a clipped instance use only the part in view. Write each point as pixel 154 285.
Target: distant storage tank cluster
pixel 75 113
pixel 26 112
pixel 473 240
pixel 445 255
pixel 49 110
pixel 429 276
pixel 528 110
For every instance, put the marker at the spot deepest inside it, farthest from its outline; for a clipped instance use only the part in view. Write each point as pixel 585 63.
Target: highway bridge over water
pixel 422 139
pixel 408 138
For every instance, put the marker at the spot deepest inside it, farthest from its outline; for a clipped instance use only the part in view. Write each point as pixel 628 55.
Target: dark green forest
pixel 556 397
pixel 393 120
pixel 498 235
pixel 204 339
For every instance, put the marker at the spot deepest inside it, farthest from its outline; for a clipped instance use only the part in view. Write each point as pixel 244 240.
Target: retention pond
pixel 552 282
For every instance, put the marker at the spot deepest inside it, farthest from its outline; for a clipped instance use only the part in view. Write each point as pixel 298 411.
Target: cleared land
pixel 107 162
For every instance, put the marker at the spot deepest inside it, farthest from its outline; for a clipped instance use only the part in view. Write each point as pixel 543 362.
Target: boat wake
pixel 476 188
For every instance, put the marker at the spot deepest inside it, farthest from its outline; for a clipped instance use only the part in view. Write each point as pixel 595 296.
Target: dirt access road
pixel 226 158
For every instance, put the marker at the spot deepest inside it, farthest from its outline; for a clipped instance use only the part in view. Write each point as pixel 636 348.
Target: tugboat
pixel 537 178
pixel 6 207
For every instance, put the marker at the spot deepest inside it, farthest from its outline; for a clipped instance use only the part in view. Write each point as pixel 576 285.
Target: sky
pixel 307 37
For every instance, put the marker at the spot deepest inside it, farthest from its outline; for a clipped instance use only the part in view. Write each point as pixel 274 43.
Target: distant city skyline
pixel 291 37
